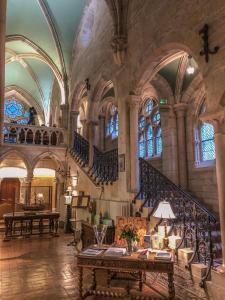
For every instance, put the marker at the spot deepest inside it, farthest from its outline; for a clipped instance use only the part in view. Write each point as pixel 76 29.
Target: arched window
pixel 150 141
pixel 15 112
pixel 205 145
pixel 112 123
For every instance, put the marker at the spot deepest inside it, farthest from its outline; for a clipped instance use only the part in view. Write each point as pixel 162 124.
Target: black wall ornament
pixel 204 32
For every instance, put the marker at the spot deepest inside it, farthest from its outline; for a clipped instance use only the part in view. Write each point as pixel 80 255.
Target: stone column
pixel 84 132
pixel 2 65
pixel 64 115
pixel 169 140
pixel 219 127
pixel 73 125
pixel 134 102
pixel 180 110
pixel 29 185
pixel 54 193
pixel 91 139
pixel 102 132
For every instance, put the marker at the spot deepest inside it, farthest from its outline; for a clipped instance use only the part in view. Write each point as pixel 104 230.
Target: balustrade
pixel 33 135
pixel 81 148
pixel 198 227
pixel 105 165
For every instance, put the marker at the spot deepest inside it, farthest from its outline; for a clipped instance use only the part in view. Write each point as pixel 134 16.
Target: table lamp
pixel 165 212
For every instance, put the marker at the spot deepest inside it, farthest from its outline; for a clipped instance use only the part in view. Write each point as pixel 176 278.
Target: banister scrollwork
pixel 194 223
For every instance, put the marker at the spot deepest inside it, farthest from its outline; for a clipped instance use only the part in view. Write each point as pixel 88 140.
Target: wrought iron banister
pixel 105 165
pixel 81 148
pixel 194 223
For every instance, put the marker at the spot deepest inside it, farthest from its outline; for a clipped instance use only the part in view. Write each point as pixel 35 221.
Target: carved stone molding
pixel 119 11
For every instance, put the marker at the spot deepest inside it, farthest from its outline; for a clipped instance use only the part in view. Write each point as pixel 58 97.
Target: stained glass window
pixel 150 141
pixel 112 124
pixel 141 146
pixel 149 106
pixel 15 111
pixel 156 117
pixel 158 142
pixel 207 142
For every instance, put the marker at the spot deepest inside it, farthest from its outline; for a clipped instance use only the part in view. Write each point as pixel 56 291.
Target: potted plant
pixel 130 234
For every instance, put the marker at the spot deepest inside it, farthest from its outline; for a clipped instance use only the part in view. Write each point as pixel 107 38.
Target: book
pixel 115 251
pixel 92 252
pixel 163 255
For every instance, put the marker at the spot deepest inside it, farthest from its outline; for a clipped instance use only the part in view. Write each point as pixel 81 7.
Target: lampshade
pixel 40 195
pixel 68 199
pixel 164 211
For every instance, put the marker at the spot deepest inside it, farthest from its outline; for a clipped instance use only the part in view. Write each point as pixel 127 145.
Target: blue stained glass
pixel 141 144
pixel 141 124
pixel 207 142
pixel 156 117
pixel 149 132
pixel 14 111
pixel 149 106
pixel 158 142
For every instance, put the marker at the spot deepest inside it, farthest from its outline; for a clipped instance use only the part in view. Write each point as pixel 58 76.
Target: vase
pixel 129 246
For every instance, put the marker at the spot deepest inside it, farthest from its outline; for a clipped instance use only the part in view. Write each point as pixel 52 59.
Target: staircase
pixel 196 225
pixel 104 169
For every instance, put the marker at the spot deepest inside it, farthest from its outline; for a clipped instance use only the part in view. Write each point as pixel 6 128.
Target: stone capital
pixel 165 108
pixel 134 101
pixel 93 123
pixel 180 109
pixel 74 113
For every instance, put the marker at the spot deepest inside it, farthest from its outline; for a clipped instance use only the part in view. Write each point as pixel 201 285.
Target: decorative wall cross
pixel 204 32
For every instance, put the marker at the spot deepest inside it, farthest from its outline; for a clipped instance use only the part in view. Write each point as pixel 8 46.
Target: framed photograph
pixel 121 162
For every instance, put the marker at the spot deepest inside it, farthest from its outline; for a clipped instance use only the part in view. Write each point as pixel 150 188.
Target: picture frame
pixel 121 162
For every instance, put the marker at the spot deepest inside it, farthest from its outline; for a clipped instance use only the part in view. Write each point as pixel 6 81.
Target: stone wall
pixel 149 48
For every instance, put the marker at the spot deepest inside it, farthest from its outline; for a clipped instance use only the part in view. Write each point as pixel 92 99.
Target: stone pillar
pixel 54 193
pixel 134 102
pixel 29 185
pixel 102 132
pixel 64 115
pixel 219 127
pixel 2 65
pixel 169 140
pixel 73 125
pixel 84 132
pixel 91 139
pixel 180 110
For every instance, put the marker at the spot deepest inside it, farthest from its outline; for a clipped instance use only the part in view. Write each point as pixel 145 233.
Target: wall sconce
pixel 190 68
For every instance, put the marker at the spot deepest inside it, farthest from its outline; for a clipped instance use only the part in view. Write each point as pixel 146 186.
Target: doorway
pixel 9 194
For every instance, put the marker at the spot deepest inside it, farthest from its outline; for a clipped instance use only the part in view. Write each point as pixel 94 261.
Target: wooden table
pixel 121 264
pixel 30 223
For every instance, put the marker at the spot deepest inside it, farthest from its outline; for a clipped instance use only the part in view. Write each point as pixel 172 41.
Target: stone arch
pixel 77 96
pixel 102 87
pixel 21 155
pixel 157 60
pixel 52 155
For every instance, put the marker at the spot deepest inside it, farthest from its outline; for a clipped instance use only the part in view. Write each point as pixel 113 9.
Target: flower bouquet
pixel 130 234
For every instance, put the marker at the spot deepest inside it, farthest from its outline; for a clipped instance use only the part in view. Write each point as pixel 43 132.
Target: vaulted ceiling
pixel 39 42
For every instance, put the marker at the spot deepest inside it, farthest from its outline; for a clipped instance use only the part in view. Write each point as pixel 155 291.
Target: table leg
pixel 171 288
pixel 108 278
pixel 80 282
pixel 93 279
pixel 140 281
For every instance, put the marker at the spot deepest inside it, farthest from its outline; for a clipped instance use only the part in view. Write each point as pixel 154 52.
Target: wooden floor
pixel 40 268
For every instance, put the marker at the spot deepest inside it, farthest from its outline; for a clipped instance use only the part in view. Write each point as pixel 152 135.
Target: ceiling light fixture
pixel 190 68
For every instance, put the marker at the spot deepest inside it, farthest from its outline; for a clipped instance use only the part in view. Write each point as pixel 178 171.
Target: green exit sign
pixel 163 101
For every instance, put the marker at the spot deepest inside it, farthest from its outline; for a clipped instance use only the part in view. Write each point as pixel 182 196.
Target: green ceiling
pixel 26 18
pixel 169 72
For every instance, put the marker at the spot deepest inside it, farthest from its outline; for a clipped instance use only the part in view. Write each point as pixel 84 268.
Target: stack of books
pixel 115 251
pixel 92 252
pixel 163 255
